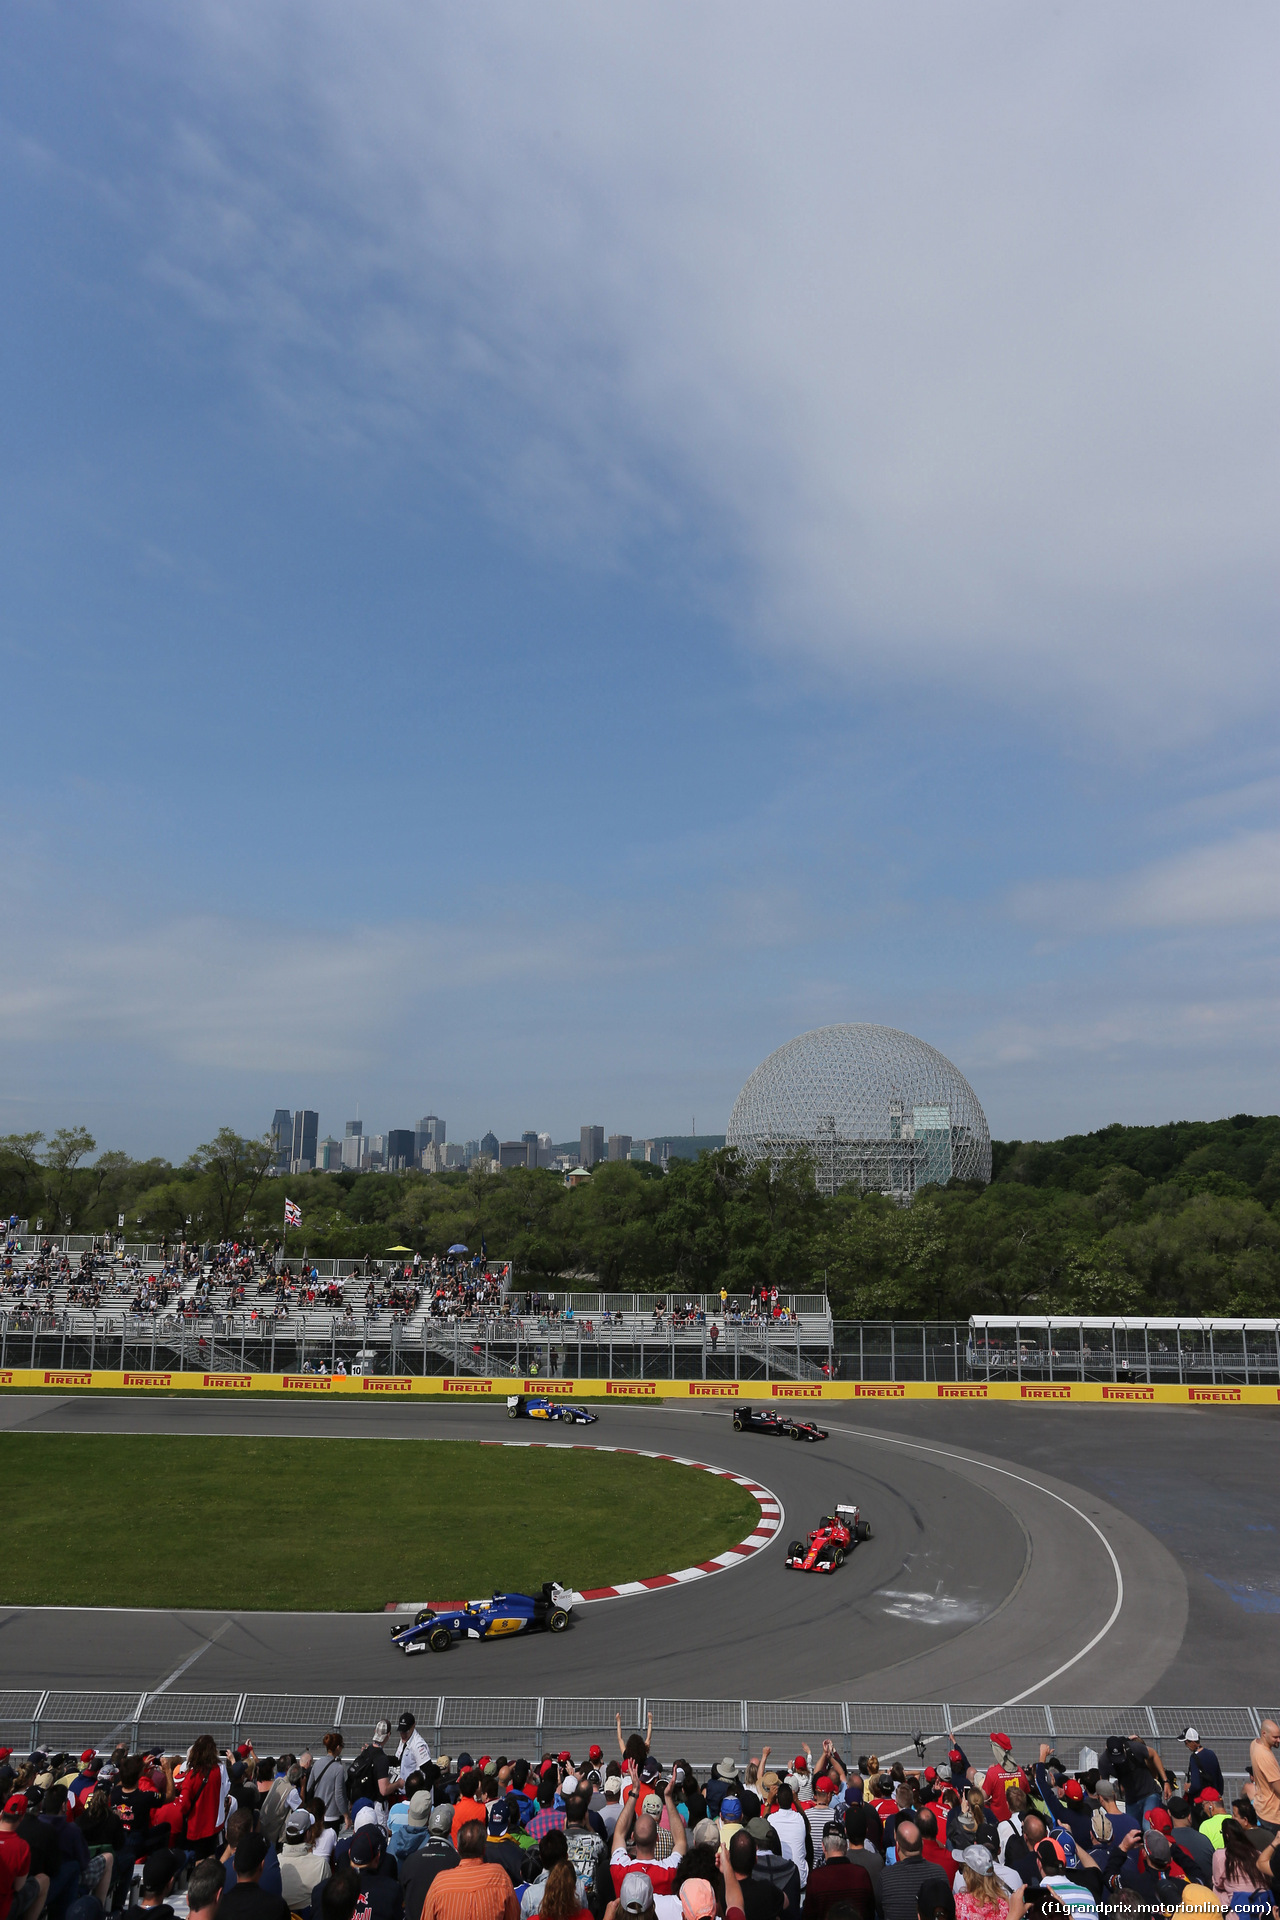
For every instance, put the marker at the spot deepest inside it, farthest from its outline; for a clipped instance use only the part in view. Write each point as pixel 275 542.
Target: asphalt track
pixel 1061 1554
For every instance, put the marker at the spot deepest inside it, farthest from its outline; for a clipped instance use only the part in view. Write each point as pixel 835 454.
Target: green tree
pixel 232 1169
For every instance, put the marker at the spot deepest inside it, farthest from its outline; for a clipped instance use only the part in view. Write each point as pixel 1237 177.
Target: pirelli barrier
pixel 498 1386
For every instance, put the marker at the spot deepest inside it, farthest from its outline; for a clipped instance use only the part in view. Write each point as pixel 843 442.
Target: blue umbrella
pixel 458 1248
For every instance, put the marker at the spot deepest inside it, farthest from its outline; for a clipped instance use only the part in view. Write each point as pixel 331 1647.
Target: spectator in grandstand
pixel 475 1889
pixel 790 1825
pixel 302 1869
pixel 900 1883
pixel 241 1826
pixel 203 1798
pixel 552 1851
pixel 380 1896
pixel 1192 1850
pixel 247 1898
pixel 1237 1868
pixel 328 1782
pixel 1265 1769
pixel 204 1890
pixel 369 1775
pixel 635 1838
pixel 407 1835
pixel 982 1894
pixel 836 1877
pixel 1203 1766
pixel 468 1805
pixel 22 1889
pixel 435 1855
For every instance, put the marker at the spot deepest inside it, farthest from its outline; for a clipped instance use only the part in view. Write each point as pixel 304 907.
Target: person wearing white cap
pixel 302 1869
pixel 1203 1766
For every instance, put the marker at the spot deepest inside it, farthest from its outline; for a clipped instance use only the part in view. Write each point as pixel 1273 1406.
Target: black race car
pixel 769 1420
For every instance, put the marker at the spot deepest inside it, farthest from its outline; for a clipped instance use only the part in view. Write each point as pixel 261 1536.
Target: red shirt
pixel 15 1861
pixel 662 1873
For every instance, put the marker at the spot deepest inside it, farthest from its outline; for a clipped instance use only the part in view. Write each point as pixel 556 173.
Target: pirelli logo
pixel 68 1379
pixel 632 1389
pixel 388 1386
pixel 1217 1394
pixel 1128 1393
pixel 713 1389
pixel 468 1386
pixel 6 1377
pixel 148 1379
pixel 1045 1393
pixel 948 1392
pixel 550 1388
pixel 796 1393
pixel 892 1390
pixel 228 1379
pixel 307 1383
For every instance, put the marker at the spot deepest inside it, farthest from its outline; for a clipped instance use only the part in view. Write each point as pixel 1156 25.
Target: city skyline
pixel 549 552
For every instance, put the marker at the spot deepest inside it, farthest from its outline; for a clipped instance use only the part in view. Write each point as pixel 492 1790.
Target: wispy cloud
pixel 953 328
pixel 1235 883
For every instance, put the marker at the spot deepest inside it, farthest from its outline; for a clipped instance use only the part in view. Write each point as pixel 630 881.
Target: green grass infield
pixel 141 1520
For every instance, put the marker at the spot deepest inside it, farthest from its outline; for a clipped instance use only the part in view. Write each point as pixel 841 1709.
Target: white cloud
pixel 954 326
pixel 230 994
pixel 1235 883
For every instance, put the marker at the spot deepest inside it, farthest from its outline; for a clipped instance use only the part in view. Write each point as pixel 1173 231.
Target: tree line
pixel 1183 1218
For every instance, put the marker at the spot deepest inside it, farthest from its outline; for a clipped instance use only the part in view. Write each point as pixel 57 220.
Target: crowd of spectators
pixel 390 1831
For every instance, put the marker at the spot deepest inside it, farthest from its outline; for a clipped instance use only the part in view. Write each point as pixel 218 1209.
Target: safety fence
pixel 701 1731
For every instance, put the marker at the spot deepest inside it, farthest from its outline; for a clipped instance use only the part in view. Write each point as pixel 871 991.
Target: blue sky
pixel 547 551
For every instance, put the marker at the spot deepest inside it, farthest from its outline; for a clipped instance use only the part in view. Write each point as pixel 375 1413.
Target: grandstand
pixel 354 1316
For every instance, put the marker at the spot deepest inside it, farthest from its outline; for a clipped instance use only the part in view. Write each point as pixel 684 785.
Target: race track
pixel 1008 1560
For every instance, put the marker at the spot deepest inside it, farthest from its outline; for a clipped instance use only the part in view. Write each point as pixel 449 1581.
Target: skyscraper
pixel 592 1146
pixel 402 1151
pixel 619 1146
pixel 529 1141
pixel 306 1129
pixel 430 1131
pixel 489 1146
pixel 282 1140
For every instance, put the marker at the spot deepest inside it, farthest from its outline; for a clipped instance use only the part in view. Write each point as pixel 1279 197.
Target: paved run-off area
pixel 1068 1553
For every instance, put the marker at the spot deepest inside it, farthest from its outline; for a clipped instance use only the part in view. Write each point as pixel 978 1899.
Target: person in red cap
pixel 20 1889
pixel 1001 1775
pixel 595 1755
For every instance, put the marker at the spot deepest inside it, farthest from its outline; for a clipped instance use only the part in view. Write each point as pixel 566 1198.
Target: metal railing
pixel 700 1730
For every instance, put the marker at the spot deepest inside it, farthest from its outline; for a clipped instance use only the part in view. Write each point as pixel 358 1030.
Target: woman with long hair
pixel 328 1781
pixel 203 1797
pixel 984 1895
pixel 560 1895
pixel 1236 1867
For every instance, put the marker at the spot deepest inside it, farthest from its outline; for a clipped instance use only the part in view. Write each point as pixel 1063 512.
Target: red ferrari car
pixel 835 1535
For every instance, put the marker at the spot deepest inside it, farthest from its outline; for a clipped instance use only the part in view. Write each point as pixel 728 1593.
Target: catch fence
pixel 699 1730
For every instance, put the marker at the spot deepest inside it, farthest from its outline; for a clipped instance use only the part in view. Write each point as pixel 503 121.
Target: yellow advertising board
pixel 707 1392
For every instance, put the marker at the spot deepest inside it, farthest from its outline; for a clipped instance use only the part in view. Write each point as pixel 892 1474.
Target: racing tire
pixel 440 1640
pixel 795 1551
pixel 737 1424
pixel 863 1530
pixel 557 1620
pixel 513 1413
pixel 838 1557
pixel 796 1434
pixel 422 1616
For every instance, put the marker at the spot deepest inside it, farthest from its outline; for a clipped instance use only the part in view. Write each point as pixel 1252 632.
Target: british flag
pixel 292 1214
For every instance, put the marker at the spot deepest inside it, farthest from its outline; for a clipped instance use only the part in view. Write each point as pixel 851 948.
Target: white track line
pixel 946 1453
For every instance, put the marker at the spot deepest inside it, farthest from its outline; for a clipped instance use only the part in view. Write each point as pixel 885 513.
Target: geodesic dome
pixel 871 1105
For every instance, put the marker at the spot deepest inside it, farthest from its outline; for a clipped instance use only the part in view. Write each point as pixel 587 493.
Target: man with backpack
pixel 369 1775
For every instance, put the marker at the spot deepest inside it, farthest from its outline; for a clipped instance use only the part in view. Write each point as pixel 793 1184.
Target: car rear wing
pixel 842 1507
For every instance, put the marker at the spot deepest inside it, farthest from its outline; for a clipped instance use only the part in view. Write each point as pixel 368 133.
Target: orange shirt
pixel 473 1890
pixel 465 1810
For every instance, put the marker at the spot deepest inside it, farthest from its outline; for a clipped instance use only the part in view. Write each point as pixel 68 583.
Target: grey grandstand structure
pixel 873 1106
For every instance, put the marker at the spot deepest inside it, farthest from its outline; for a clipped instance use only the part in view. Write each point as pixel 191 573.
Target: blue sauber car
pixel 537 1406
pixel 549 1611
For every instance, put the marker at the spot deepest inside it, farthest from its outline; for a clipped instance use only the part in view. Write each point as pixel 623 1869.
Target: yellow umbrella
pixel 399 1249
